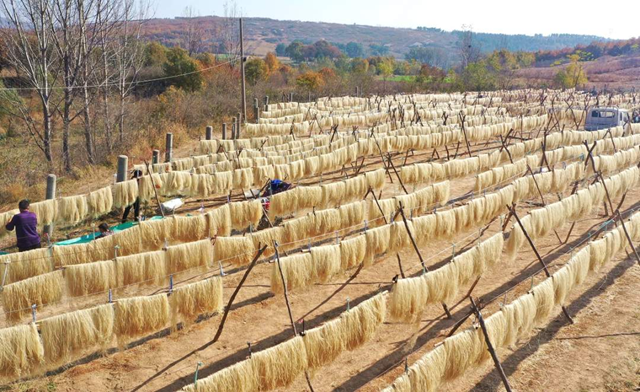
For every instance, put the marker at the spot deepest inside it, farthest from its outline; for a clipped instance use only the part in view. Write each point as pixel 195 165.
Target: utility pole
pixel 243 104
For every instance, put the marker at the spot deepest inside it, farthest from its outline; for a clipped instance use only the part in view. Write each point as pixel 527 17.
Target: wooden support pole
pixel 224 131
pixel 415 247
pixel 286 298
pixel 396 172
pixel 123 166
pixel 243 96
pixel 208 132
pixel 494 356
pixel 378 204
pixel 544 203
pixel 155 191
pixel 386 168
pixel 168 154
pixel 155 158
pixel 235 293
pixel 256 110
pixel 400 265
pixel 51 194
pixel 535 250
pixel 464 132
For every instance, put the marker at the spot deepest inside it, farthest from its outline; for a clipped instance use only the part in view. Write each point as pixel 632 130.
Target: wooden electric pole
pixel 243 104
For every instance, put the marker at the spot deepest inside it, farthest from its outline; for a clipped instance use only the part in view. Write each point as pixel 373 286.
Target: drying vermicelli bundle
pixel 72 209
pixel 426 374
pixel 377 243
pixel 220 221
pixel 235 250
pixel 18 297
pixel 128 241
pixel 245 213
pixel 408 299
pixel 399 236
pixel 125 193
pixel 326 262
pixel 352 329
pixel 297 269
pixel 283 202
pixel 326 221
pixel 150 185
pixel 463 350
pixel 100 202
pixel 189 228
pixel 192 300
pixel 82 279
pixel 46 211
pixel 362 322
pixel 20 351
pixel 140 316
pixel 176 183
pixel 278 366
pixel 544 294
pixel 198 254
pixel 424 228
pixel 267 237
pixel 324 344
pixel 67 336
pixel 410 296
pixel 23 265
pixel 353 252
pixel 155 233
pixel 238 377
pixel 352 214
pixel 146 268
pixel 5 217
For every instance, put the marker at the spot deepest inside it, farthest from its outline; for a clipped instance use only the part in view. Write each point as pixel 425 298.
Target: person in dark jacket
pixel 136 205
pixel 26 225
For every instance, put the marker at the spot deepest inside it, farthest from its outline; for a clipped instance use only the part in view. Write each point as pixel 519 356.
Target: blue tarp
pixel 90 237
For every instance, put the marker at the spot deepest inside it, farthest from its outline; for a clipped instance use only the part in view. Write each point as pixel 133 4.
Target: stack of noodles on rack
pixel 468 349
pixel 70 336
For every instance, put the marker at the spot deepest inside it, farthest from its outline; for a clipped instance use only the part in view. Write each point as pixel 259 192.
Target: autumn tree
pixel 309 81
pixel 573 75
pixel 182 69
pixel 272 62
pixel 255 70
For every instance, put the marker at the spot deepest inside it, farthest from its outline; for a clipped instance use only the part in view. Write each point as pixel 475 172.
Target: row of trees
pixel 299 51
pixel 72 57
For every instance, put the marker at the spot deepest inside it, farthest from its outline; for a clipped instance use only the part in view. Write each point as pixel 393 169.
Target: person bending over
pixel 26 225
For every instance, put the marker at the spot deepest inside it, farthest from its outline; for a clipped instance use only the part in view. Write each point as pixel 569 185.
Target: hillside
pixel 263 34
pixel 610 72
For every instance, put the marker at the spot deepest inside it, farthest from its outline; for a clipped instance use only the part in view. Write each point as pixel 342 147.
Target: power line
pixel 119 84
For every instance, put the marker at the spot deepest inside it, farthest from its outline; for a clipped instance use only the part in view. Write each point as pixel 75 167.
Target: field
pixel 402 209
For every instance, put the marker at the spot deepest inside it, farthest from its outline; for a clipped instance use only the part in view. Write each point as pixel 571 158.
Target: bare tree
pixel 469 52
pixel 29 49
pixel 74 31
pixel 227 32
pixel 194 39
pixel 128 54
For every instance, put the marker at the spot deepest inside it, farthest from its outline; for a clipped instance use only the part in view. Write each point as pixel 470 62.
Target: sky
pixel 618 19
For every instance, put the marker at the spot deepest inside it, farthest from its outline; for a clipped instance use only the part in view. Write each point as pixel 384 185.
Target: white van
pixel 601 118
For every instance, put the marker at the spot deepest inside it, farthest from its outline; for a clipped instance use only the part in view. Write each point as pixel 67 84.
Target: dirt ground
pixel 600 352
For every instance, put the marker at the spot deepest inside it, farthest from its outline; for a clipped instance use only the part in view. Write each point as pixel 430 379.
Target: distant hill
pixel 606 72
pixel 263 34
